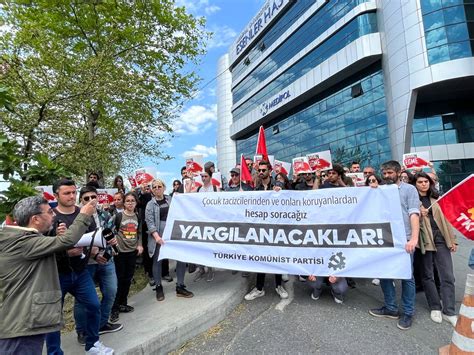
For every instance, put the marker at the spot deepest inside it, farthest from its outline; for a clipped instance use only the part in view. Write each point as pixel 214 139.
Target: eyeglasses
pixel 372 181
pixel 234 175
pixel 87 198
pixel 262 170
pixel 50 212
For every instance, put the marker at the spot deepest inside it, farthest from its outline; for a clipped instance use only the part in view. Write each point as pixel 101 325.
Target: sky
pixel 195 128
pixel 196 125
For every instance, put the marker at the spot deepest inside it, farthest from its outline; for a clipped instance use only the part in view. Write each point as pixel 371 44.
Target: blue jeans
pixel 408 294
pixel 30 344
pixel 105 275
pixel 81 286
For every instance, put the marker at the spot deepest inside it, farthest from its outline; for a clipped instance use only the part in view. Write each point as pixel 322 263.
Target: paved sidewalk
pixel 159 327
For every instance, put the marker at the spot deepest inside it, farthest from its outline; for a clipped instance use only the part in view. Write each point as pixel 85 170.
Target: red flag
pixel 245 175
pixel 262 144
pixel 458 206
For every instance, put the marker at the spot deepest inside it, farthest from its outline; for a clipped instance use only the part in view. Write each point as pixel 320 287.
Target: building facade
pixel 368 80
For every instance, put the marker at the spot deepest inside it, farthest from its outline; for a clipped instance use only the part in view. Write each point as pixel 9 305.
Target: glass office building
pixel 368 80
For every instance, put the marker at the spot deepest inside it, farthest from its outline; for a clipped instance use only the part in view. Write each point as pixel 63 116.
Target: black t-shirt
pixel 164 208
pixel 327 185
pixel 303 186
pixel 65 263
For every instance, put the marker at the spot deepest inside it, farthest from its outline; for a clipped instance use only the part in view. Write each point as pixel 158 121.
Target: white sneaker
pixel 255 293
pixel 313 297
pixel 337 300
pixel 451 319
pixel 376 282
pixel 301 278
pixel 281 292
pixel 436 316
pixel 285 278
pixel 100 349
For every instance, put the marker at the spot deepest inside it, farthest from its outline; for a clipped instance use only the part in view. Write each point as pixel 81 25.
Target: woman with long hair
pixel 129 245
pixel 156 214
pixel 437 242
pixel 118 184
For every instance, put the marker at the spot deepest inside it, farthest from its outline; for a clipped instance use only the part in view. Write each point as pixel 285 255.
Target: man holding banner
pixel 410 203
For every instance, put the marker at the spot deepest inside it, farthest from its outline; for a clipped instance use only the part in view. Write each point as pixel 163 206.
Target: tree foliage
pixel 41 171
pixel 96 83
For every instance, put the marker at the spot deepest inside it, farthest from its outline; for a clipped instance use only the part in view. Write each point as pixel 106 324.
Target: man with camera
pixel 101 268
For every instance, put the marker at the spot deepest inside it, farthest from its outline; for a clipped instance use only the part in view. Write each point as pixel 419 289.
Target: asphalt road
pixel 300 325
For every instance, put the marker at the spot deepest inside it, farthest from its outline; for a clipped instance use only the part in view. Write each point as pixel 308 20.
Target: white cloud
pixel 200 149
pixel 198 7
pixel 222 36
pixel 212 9
pixel 195 119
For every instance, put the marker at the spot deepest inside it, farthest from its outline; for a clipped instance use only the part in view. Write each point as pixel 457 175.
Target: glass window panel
pixel 436 138
pixel 459 50
pixel 457 33
pixel 469 12
pixel 379 105
pixel 419 125
pixel 450 136
pixel 453 14
pixel 436 37
pixel 421 139
pixel 434 123
pixel 371 135
pixel 447 3
pixel 433 20
pixel 438 54
pixel 382 132
pixel 381 119
pixel 430 5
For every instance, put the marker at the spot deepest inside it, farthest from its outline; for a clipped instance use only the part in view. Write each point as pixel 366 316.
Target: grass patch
pixel 140 280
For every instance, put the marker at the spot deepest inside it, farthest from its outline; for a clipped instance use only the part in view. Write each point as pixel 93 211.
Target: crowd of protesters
pixel 136 220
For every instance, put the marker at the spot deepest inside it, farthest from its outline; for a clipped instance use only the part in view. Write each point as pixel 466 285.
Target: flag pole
pixel 452 188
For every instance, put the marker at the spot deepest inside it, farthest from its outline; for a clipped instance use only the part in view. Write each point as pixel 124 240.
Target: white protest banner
pixel 259 157
pixel 320 161
pixel 106 195
pixel 195 164
pixel 301 165
pixel 281 167
pixel 357 178
pixel 343 231
pixel 416 160
pixel 86 239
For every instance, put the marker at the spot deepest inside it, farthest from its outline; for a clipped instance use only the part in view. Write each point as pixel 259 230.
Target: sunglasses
pixel 88 198
pixel 234 175
pixel 262 170
pixel 372 181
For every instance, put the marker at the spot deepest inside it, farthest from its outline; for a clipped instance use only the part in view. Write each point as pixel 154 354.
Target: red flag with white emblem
pixel 458 206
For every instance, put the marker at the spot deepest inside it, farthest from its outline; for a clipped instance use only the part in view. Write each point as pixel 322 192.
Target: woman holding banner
pixel 156 214
pixel 437 242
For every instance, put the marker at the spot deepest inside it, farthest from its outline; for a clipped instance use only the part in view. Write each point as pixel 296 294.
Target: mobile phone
pixel 107 256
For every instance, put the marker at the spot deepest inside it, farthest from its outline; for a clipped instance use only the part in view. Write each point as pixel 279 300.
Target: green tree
pixel 97 83
pixel 41 171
